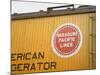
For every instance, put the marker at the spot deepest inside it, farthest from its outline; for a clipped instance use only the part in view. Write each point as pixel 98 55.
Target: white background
pixel 5 38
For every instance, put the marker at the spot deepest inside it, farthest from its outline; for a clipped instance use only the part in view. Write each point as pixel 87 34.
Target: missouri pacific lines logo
pixel 67 40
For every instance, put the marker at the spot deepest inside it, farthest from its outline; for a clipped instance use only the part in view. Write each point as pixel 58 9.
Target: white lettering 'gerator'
pixel 67 40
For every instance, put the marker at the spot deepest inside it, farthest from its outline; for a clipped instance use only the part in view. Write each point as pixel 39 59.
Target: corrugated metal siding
pixel 92 40
pixel 31 35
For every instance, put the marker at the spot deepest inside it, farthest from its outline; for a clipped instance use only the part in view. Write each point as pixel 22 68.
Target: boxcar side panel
pixel 34 35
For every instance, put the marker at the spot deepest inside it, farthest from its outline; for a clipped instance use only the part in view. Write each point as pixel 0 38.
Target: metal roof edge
pixel 53 13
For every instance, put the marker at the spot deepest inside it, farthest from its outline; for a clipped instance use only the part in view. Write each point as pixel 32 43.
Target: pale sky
pixel 24 7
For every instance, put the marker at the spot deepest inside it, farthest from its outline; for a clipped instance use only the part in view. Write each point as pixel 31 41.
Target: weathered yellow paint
pixel 34 35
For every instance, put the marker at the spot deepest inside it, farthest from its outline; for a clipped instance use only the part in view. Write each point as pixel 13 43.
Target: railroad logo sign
pixel 66 40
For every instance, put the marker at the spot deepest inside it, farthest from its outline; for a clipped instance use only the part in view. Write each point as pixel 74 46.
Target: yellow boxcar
pixel 39 42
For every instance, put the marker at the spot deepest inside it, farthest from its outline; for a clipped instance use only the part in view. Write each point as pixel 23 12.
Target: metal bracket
pixel 51 8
